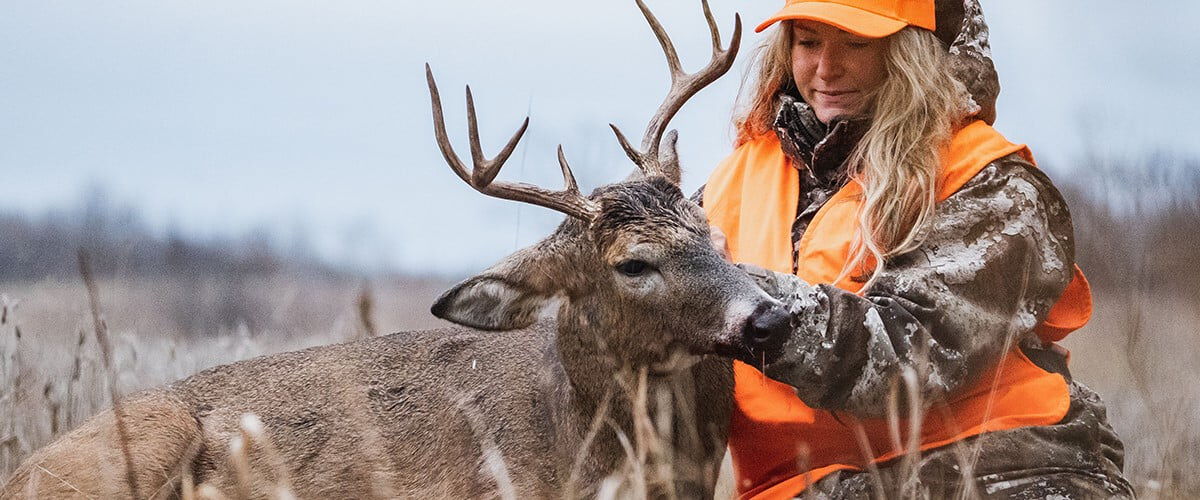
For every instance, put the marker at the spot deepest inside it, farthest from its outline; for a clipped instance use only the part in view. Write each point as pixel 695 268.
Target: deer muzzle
pixel 766 329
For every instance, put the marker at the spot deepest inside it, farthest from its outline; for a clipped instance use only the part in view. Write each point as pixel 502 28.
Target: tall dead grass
pixel 1138 353
pixel 52 371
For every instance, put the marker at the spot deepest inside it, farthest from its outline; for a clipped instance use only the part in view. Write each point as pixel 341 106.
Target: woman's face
pixel 835 71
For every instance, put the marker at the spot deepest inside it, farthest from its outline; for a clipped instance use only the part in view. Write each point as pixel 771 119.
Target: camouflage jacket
pixel 993 260
pixel 951 302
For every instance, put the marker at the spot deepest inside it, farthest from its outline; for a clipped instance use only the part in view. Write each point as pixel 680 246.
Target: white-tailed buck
pixel 626 389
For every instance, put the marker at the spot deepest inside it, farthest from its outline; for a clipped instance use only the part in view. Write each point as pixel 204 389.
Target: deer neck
pixel 597 371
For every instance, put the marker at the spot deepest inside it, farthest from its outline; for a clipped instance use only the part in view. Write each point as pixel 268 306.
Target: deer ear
pixel 508 296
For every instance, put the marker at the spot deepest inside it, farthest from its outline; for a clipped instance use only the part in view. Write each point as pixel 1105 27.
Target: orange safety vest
pixel 752 197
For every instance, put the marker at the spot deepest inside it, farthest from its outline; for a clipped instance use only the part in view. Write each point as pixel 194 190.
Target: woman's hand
pixel 719 242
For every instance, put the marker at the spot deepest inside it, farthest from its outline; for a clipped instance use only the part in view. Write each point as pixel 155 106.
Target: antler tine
pixel 663 40
pixel 483 173
pixel 568 177
pixel 486 170
pixel 712 28
pixel 439 129
pixel 683 87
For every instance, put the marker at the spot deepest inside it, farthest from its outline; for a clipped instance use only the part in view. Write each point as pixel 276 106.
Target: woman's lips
pixel 834 94
pixel 837 97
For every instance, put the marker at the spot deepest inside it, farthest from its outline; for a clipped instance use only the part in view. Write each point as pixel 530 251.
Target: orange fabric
pixel 866 18
pixel 1068 315
pixel 779 444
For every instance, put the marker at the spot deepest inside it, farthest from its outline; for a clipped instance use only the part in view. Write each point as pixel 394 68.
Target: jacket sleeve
pixel 996 256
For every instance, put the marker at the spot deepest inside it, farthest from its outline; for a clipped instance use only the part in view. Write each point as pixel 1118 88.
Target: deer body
pixel 419 421
pixel 413 414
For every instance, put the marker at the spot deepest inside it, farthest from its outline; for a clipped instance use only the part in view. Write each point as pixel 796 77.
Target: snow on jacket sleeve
pixel 996 256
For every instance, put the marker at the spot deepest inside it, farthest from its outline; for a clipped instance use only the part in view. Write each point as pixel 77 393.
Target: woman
pixel 928 264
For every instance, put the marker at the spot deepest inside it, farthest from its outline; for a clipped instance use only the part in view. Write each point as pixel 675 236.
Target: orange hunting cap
pixel 866 18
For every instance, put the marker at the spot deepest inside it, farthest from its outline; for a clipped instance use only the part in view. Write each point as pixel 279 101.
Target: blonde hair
pixel 912 115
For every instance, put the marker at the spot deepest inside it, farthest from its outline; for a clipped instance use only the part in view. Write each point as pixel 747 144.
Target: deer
pixel 604 349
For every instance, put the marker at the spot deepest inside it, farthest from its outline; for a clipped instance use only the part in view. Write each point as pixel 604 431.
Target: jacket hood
pixel 961 26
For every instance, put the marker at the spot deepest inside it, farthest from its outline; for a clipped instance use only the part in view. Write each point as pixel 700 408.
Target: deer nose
pixel 767 327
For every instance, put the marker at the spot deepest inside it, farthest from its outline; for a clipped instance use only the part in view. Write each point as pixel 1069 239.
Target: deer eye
pixel 633 267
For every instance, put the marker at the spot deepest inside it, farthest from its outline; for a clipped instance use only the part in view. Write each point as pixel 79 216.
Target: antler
pixel 483 174
pixel 683 87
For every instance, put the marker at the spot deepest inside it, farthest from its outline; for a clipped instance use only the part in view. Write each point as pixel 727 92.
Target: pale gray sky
pixel 223 115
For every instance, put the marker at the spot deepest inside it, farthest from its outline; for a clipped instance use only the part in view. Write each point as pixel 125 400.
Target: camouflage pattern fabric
pixel 961 26
pixel 1079 458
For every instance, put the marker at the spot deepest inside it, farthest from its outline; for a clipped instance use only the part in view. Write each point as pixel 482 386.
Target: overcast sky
pixel 224 115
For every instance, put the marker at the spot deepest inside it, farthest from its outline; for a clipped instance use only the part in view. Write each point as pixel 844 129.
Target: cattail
pixel 85 271
pixel 365 305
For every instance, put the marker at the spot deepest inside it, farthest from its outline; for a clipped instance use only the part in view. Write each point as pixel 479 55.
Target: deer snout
pixel 767 328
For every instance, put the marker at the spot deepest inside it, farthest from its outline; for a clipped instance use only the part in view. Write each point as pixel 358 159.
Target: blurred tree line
pixel 208 286
pixel 1137 222
pixel 122 245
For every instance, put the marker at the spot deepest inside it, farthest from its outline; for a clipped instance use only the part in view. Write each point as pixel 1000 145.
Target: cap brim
pixel 850 19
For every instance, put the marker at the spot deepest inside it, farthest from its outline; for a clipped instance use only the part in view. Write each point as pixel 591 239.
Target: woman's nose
pixel 829 64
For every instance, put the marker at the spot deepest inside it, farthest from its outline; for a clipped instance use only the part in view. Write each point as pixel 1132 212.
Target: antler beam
pixel 483 174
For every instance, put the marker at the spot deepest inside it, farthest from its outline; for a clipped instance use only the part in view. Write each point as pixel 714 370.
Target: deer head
pixel 633 264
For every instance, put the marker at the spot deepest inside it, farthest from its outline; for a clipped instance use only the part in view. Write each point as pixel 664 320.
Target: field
pixel 52 374
pixel 1138 352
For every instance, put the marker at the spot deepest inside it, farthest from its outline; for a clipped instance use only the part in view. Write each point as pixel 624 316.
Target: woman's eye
pixel 633 267
pixel 859 45
pixel 808 44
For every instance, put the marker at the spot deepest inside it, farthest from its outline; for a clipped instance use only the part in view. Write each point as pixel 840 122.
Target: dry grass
pixel 1139 353
pixel 52 374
